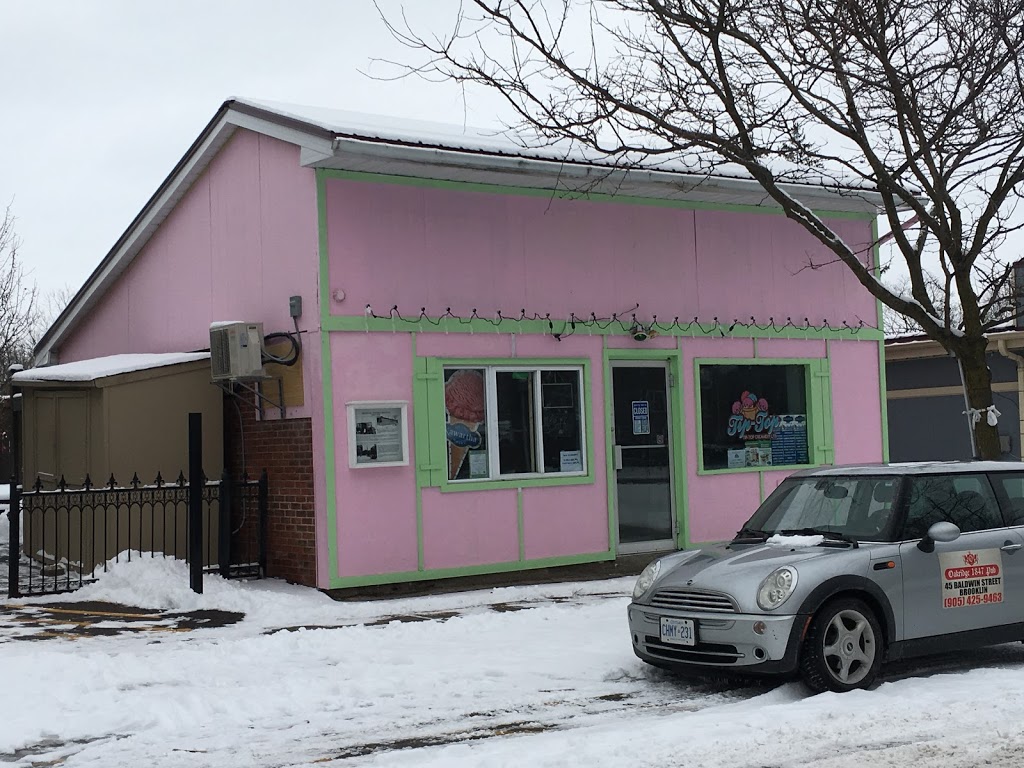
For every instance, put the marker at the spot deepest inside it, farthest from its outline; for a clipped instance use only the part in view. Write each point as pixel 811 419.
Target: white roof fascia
pixel 313 146
pixel 454 165
pixel 160 207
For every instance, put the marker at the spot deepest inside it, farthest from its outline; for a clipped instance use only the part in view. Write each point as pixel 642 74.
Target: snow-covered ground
pixel 519 676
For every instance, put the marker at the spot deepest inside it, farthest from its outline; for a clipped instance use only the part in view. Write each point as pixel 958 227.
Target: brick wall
pixel 285 450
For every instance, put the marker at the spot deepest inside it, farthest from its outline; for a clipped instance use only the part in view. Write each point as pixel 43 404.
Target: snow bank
pixel 163 583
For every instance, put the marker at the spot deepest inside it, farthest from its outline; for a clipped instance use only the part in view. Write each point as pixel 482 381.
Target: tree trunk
pixel 978 388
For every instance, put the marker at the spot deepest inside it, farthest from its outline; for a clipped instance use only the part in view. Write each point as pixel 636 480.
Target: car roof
pixel 914 468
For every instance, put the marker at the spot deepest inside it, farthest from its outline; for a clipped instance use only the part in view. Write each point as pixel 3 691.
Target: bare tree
pixel 47 310
pixel 918 101
pixel 895 324
pixel 17 312
pixel 18 303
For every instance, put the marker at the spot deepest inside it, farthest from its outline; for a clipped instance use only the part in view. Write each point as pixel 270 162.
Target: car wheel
pixel 843 647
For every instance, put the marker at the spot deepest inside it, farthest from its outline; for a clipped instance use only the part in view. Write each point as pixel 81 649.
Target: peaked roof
pixel 330 138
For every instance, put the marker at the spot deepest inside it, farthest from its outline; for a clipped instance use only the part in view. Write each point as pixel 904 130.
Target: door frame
pixel 672 358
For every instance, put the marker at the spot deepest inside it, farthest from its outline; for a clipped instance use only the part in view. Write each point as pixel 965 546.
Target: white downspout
pixel 1020 389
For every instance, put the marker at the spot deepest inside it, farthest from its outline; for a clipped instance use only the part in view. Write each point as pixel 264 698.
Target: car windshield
pixel 857 507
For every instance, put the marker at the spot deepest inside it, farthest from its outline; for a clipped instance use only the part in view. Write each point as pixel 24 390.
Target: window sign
pixel 753 416
pixel 571 461
pixel 377 434
pixel 466 406
pixel 641 417
pixel 513 422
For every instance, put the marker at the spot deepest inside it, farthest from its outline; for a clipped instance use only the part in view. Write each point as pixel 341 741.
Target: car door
pixel 962 585
pixel 1009 488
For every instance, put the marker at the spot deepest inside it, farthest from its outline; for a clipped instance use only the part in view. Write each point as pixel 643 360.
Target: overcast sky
pixel 102 97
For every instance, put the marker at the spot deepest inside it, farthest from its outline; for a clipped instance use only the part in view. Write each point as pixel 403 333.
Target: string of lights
pixel 626 321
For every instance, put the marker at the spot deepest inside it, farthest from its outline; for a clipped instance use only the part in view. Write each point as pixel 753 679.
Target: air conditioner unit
pixel 236 351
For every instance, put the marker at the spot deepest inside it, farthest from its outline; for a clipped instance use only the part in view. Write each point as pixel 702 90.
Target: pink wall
pixel 377 520
pixel 244 239
pixel 856 402
pixel 493 252
pixel 471 528
pixel 376 508
pixel 448 248
pixel 241 241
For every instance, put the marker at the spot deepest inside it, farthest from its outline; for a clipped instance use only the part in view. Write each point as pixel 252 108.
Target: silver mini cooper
pixel 842 568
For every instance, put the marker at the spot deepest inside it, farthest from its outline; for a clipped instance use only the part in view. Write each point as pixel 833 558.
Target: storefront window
pixel 465 402
pixel 753 416
pixel 534 416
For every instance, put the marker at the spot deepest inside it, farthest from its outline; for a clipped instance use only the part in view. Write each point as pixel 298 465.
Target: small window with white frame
pixel 514 422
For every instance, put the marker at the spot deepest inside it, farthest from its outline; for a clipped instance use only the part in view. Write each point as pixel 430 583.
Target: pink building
pixel 510 359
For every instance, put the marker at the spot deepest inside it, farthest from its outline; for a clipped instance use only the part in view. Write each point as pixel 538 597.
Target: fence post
pixel 195 502
pixel 224 526
pixel 263 493
pixel 14 503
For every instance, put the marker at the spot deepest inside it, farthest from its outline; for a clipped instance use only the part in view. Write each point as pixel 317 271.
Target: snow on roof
pixel 498 140
pixel 101 367
pixel 384 128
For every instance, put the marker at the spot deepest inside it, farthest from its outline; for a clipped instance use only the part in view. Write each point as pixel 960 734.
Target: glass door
pixel 643 456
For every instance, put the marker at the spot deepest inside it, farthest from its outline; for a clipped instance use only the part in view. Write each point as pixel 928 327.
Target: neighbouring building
pixel 510 359
pixel 927 409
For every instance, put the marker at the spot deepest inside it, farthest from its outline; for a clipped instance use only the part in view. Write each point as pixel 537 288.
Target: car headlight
pixel 647 577
pixel 777 588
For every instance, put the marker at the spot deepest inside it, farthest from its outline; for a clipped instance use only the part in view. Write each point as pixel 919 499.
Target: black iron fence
pixel 60 537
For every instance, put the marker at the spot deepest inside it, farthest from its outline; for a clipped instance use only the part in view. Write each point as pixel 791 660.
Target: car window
pixel 1011 487
pixel 859 506
pixel 967 501
pixel 880 506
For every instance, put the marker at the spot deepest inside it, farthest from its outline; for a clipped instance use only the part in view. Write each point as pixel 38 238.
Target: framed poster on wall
pixel 377 434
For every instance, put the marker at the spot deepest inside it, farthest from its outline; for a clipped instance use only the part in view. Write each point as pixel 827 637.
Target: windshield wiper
pixel 831 535
pixel 750 534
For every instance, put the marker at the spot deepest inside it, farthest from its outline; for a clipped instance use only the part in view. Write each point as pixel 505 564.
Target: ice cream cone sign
pixel 465 402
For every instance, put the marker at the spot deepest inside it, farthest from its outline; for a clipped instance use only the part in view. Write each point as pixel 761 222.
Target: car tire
pixel 843 648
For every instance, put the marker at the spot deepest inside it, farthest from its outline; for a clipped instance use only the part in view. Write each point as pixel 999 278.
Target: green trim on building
pixel 597 197
pixel 513 482
pixel 327 382
pixel 883 398
pixel 431 469
pixel 330 471
pixel 679 452
pixel 419 444
pixel 430 412
pixel 470 570
pixel 611 479
pixel 562 326
pixel 762 470
pixel 821 439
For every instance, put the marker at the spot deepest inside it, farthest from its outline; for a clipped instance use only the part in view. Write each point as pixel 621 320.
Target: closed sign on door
pixel 641 417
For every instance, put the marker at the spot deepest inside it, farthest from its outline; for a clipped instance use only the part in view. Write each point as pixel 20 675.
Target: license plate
pixel 678 631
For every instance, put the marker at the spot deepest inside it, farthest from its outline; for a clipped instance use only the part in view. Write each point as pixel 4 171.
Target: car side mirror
pixel 938 532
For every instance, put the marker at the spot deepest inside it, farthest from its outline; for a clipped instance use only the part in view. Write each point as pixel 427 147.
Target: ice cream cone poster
pixel 465 403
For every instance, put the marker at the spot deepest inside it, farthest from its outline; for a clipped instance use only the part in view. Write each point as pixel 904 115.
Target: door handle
pixel 1008 547
pixel 618 457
